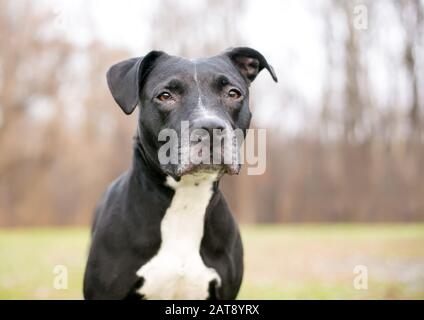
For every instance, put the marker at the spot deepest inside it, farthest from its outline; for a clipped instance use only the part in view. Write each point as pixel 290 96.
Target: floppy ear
pixel 124 79
pixel 249 62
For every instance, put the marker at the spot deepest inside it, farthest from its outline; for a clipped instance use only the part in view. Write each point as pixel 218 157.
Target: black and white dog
pixel 164 230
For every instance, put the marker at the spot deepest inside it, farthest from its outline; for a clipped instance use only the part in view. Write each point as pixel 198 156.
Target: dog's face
pixel 199 105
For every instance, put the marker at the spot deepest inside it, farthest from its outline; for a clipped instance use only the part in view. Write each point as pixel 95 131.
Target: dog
pixel 164 230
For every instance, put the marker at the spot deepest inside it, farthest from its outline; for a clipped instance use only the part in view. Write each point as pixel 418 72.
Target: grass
pixel 281 262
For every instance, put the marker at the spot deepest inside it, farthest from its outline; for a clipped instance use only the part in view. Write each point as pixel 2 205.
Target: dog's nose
pixel 209 125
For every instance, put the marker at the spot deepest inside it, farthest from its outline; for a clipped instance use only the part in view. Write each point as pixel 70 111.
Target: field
pixel 282 262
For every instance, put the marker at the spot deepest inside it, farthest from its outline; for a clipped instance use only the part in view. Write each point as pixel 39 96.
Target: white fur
pixel 177 271
pixel 204 113
pixel 200 104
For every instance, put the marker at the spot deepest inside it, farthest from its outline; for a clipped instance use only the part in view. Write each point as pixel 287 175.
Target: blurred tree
pixel 411 14
pixel 63 139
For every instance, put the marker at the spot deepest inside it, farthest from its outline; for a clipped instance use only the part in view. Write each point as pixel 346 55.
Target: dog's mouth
pixel 221 169
pixel 221 161
pixel 179 170
pixel 200 155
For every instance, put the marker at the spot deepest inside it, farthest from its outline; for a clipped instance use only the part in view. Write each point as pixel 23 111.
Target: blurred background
pixel 345 128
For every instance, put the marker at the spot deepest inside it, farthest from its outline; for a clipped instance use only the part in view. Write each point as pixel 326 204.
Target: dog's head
pixel 190 110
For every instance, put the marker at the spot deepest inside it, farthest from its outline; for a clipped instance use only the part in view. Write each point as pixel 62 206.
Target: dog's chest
pixel 177 271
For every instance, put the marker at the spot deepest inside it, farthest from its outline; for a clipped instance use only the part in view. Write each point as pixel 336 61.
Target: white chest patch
pixel 177 271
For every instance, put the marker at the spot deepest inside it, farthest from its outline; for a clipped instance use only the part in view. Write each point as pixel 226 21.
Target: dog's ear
pixel 249 62
pixel 125 78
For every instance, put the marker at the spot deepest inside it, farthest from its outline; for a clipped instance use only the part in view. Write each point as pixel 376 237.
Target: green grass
pixel 281 262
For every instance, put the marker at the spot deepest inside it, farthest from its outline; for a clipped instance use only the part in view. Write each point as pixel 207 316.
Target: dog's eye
pixel 234 94
pixel 224 81
pixel 164 96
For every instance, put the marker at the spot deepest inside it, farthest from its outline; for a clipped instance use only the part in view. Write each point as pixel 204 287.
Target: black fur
pixel 126 227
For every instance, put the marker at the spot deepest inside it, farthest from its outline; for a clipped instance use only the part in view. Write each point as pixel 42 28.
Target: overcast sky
pixel 290 34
